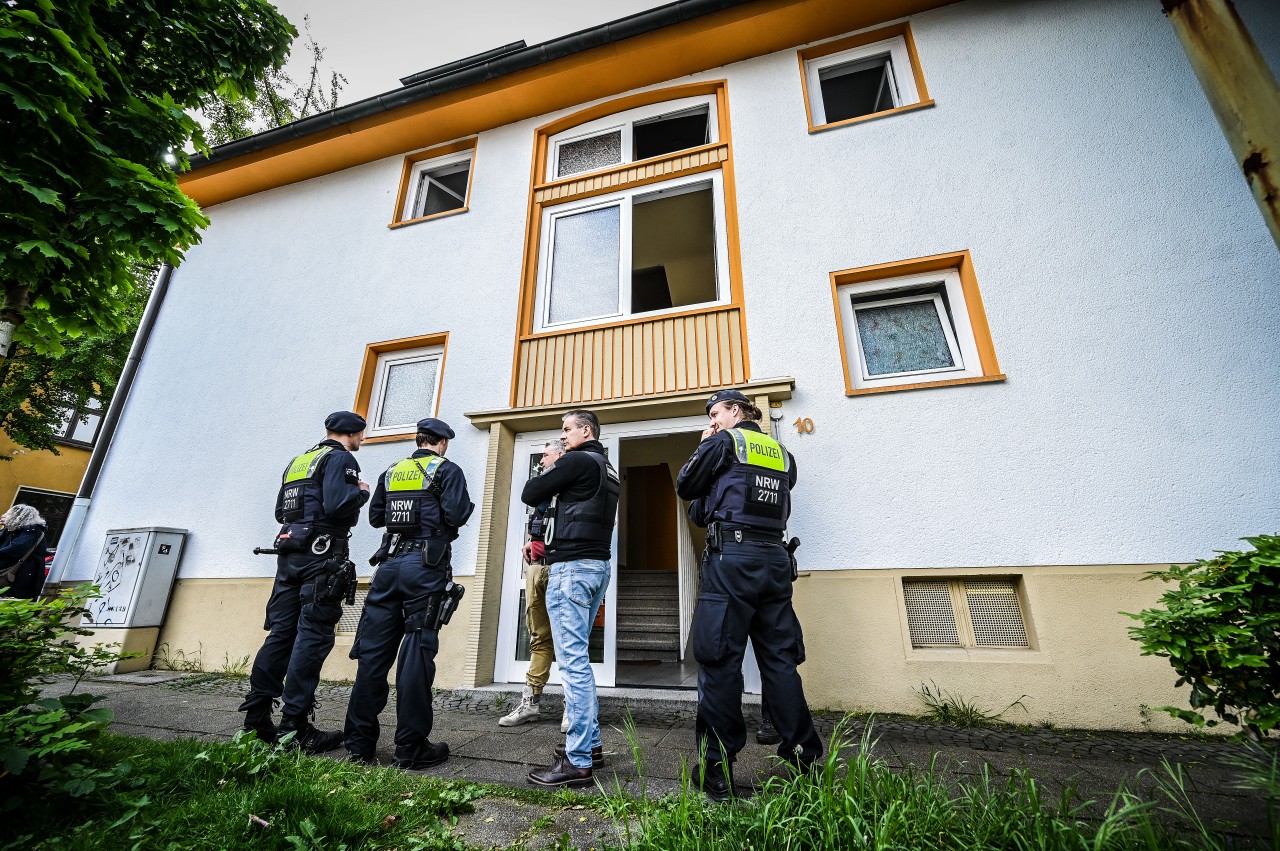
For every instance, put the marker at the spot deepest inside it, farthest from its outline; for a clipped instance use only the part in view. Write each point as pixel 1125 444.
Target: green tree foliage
pixel 37 389
pixel 277 99
pixel 94 98
pixel 1220 630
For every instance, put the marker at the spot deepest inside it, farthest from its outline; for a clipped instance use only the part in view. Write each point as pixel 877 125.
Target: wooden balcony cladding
pixel 689 161
pixel 661 355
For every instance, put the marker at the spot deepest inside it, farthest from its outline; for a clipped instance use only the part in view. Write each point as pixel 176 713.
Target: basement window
pixel 635 253
pixel 965 612
pixel 631 136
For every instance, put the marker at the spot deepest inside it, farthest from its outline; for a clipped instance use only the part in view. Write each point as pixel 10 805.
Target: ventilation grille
pixel 995 614
pixel 351 614
pixel 930 617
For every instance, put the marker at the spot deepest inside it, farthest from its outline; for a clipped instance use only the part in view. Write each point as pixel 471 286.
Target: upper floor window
pixel 634 135
pixel 641 251
pixel 862 76
pixel 82 424
pixel 913 324
pixel 435 182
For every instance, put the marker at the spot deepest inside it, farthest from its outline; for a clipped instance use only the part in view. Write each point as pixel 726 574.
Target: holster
pixel 385 548
pixel 293 538
pixel 715 537
pixel 453 594
pixel 338 582
pixel 434 550
pixel 792 546
pixel 423 613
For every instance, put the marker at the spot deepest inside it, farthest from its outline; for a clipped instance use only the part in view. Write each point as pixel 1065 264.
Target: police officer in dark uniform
pixel 739 481
pixel 320 498
pixel 422 501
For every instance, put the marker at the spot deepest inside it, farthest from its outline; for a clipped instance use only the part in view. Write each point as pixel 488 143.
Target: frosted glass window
pixel 410 392
pixel 585 260
pixel 589 154
pixel 906 337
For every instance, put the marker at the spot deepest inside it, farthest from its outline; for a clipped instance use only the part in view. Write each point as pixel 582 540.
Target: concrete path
pixel 167 705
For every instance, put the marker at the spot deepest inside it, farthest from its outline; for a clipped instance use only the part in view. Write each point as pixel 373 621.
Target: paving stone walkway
pixel 168 705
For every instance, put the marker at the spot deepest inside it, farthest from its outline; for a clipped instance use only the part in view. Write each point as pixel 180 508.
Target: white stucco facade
pixel 1131 288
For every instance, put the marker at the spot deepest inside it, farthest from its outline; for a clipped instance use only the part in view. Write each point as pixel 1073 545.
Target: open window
pixel 631 136
pixel 656 248
pixel 435 182
pixel 862 76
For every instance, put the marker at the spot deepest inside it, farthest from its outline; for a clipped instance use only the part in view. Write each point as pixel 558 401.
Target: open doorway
pixel 658 550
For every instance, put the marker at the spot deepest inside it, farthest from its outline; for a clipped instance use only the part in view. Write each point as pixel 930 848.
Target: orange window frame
pixel 369 375
pixel 960 262
pixel 538 180
pixel 858 40
pixel 406 173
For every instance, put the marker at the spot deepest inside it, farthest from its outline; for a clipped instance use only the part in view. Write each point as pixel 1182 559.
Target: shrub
pixel 1220 630
pixel 45 744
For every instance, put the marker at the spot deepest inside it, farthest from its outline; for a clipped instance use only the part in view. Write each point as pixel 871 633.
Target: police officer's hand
pixel 364 486
pixel 710 430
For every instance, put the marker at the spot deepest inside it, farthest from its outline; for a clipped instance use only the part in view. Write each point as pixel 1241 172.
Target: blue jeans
pixel 575 590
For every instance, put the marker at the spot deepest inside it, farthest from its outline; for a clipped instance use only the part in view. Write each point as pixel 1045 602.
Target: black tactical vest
pixel 301 492
pixel 413 502
pixel 754 493
pixel 592 519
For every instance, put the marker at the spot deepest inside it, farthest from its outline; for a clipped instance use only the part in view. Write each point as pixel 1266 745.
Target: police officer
pixel 422 501
pixel 320 498
pixel 739 481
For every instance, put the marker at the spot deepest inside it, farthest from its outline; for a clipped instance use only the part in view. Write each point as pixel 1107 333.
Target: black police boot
pixel 307 738
pixel 561 773
pixel 422 756
pixel 715 782
pixel 597 755
pixel 363 758
pixel 262 727
pixel 768 734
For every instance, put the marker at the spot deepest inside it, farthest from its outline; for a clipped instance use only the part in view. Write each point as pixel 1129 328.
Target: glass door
pixel 512 661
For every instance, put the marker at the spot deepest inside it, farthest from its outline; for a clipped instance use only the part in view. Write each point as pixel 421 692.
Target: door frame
pixel 506 668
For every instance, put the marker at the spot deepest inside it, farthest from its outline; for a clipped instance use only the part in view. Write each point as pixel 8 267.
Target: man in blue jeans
pixel 583 487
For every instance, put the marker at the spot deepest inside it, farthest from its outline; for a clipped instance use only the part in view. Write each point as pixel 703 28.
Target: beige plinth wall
pixel 1082 670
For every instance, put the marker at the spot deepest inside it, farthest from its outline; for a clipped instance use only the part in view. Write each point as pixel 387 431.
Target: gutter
pixel 477 69
pixel 80 508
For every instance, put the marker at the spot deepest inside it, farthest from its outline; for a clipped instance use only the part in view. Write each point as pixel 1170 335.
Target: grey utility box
pixel 135 574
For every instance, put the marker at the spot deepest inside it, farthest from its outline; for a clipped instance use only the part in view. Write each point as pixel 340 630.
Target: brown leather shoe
pixel 562 773
pixel 597 755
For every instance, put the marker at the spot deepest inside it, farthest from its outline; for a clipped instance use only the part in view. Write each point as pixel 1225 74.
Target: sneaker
pixel 564 721
pixel 768 734
pixel 526 710
pixel 423 756
pixel 597 755
pixel 561 773
pixel 309 739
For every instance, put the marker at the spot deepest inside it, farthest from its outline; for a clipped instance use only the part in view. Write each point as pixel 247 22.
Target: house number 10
pixel 803 425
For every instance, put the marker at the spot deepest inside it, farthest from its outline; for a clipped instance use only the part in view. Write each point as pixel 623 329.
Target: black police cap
pixel 436 426
pixel 344 422
pixel 727 396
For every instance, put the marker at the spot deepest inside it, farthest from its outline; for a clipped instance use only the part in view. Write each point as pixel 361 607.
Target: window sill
pixel 1006 655
pixel 675 313
pixel 818 128
pixel 924 385
pixel 429 218
pixel 391 438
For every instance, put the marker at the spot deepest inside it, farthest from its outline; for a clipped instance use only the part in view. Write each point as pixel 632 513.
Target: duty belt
pixel 409 545
pixel 718 535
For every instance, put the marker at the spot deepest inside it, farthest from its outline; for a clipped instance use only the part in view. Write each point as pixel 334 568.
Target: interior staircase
pixel 648 616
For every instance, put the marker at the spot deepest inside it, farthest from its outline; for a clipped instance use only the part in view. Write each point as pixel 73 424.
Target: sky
pixel 373 43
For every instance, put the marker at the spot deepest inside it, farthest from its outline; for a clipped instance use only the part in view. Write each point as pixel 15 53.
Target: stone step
pixel 637 628
pixel 633 578
pixel 640 642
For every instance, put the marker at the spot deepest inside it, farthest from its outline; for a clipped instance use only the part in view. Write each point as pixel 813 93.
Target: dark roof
pixel 480 68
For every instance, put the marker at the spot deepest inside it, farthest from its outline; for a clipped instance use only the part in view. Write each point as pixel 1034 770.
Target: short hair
pixel 429 438
pixel 583 417
pixel 557 443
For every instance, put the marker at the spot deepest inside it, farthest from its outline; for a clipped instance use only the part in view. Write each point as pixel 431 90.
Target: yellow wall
pixel 1083 670
pixel 43 470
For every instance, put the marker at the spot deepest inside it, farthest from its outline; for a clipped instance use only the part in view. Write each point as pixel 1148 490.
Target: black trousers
pixel 746 593
pixel 301 634
pixel 400 583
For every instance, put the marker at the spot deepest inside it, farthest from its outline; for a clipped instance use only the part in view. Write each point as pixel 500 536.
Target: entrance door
pixel 512 661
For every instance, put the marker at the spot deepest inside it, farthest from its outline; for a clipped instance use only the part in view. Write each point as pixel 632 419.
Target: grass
pixel 861 803
pixel 241 794
pixel 955 711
